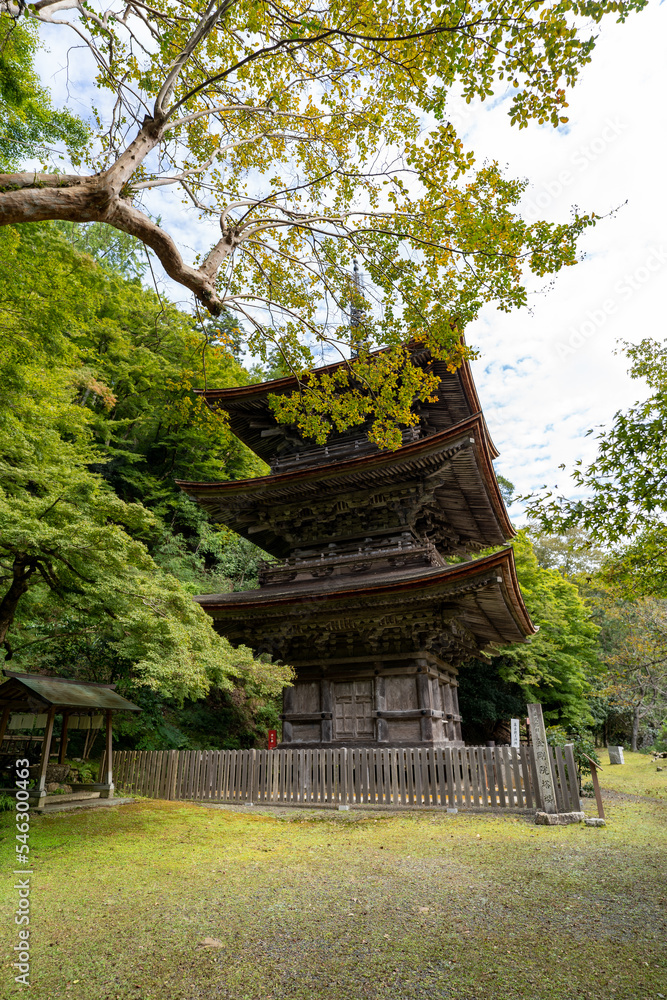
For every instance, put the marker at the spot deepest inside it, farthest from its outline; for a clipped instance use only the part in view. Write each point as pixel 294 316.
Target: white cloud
pixel 539 397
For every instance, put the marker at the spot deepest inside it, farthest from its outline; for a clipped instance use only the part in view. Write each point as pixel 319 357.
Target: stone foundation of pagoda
pixel 389 701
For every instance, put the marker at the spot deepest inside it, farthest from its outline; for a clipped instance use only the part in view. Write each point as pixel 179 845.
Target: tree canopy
pixel 96 408
pixel 309 135
pixel 554 667
pixel 635 681
pixel 620 497
pixel 29 126
pixel 573 552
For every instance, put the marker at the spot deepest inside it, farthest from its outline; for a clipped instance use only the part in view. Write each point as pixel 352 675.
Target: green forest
pixel 101 553
pixel 99 416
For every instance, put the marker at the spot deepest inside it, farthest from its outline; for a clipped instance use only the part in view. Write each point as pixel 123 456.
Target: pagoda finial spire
pixel 356 309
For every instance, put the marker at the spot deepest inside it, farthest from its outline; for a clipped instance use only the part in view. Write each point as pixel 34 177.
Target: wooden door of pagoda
pixel 353 710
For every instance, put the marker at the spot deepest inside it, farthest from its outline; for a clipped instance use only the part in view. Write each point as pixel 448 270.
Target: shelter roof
pixel 452 470
pixel 26 689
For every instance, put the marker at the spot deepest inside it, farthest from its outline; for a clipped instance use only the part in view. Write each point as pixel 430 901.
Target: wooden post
pixel 288 707
pixel 545 776
pixel 448 706
pixel 63 738
pixel 596 785
pixel 44 760
pixel 573 777
pixel 424 701
pixel 381 706
pixel 598 793
pixel 326 701
pixel 454 687
pixel 171 774
pixel 252 767
pixel 107 792
pixel 3 722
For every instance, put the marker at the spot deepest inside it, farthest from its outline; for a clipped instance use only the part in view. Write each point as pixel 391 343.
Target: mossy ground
pixel 342 906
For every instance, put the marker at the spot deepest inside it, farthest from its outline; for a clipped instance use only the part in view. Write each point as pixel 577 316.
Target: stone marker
pixel 594 821
pixel 515 733
pixel 544 774
pixel 616 755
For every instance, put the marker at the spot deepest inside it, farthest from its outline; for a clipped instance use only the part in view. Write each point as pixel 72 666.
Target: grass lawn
pixel 349 906
pixel 638 776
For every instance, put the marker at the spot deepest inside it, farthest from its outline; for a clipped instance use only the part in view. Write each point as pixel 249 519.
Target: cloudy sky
pixel 548 374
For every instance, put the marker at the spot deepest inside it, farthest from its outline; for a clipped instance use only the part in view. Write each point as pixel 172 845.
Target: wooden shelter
pixel 376 600
pixel 45 698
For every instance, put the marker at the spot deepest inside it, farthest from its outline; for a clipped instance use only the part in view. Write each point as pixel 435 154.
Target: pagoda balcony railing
pixel 362 560
pixel 337 450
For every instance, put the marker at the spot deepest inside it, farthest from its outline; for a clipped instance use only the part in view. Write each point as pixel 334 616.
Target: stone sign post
pixel 544 773
pixel 616 755
pixel 515 739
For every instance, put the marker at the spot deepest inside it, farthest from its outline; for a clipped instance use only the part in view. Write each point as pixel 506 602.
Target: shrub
pixel 583 743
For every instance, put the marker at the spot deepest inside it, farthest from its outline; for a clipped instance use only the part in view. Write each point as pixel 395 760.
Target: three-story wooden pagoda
pixel 369 602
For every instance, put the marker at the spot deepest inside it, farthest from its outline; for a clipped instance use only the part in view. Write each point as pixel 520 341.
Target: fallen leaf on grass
pixel 210 942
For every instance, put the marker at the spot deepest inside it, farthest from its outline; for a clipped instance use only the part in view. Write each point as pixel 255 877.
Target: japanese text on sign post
pixel 544 773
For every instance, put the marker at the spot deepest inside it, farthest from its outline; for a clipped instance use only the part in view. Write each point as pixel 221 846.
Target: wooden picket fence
pixel 406 778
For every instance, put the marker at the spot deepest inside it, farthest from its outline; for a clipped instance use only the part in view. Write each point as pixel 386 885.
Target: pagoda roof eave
pixel 230 398
pixel 497 569
pixel 288 483
pixel 279 385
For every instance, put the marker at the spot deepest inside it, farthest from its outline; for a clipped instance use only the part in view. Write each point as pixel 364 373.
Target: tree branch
pixel 208 21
